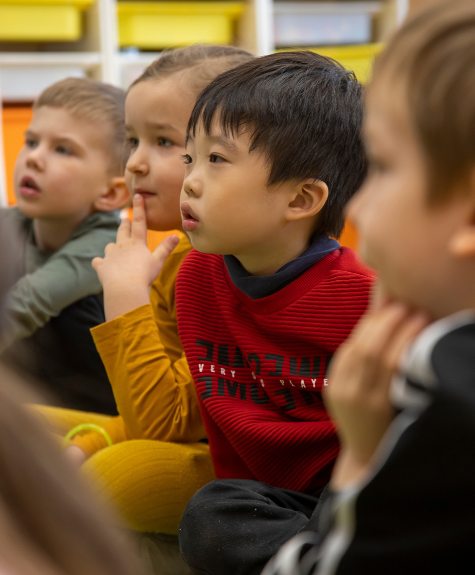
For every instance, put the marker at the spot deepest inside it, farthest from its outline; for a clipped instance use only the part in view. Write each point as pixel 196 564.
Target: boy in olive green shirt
pixel 68 186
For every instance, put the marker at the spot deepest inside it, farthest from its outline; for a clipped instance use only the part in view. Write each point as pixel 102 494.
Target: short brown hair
pixel 96 101
pixel 207 61
pixel 433 58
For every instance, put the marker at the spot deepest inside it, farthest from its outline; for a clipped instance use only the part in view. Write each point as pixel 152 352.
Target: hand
pixel 357 396
pixel 129 268
pixel 75 454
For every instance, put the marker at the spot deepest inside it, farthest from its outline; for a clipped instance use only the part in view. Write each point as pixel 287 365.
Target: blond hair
pixel 432 57
pixel 100 103
pixel 206 62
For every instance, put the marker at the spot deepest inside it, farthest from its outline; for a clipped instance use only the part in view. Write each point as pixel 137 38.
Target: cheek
pixel 19 164
pixel 64 186
pixel 75 183
pixel 129 182
pixel 168 174
pixel 370 212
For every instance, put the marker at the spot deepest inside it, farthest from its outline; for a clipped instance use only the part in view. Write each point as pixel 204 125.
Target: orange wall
pixel 349 237
pixel 15 122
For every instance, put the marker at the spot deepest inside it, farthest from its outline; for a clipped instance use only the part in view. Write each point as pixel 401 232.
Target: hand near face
pixel 357 396
pixel 129 267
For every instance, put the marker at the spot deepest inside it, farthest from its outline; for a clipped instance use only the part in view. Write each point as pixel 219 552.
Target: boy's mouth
pixel 28 187
pixel 144 193
pixel 189 219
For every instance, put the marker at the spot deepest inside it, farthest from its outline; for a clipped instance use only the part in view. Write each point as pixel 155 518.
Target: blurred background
pixel 43 41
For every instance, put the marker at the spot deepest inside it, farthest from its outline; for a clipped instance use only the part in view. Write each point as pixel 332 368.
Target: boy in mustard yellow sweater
pixel 151 481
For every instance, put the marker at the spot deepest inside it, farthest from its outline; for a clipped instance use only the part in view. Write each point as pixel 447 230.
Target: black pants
pixel 234 526
pixel 62 357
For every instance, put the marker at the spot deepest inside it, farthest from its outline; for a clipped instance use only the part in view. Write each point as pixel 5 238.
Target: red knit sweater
pixel 260 365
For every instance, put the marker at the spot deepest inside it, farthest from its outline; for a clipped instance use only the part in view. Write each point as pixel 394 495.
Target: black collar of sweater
pixel 257 287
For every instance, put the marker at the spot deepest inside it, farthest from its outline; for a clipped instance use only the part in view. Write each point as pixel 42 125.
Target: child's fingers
pixel 165 248
pixel 378 298
pixel 123 233
pixel 365 354
pixel 373 335
pixel 139 222
pixel 408 331
pixel 96 263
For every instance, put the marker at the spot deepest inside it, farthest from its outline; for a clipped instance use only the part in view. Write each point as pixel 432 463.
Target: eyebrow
pixel 31 134
pixel 154 126
pixel 65 139
pixel 221 140
pixel 158 126
pixel 225 142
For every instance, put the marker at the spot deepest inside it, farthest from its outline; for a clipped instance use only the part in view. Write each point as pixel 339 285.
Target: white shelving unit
pixel 97 54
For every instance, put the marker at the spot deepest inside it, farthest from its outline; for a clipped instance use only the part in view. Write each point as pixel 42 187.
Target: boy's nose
pixel 191 185
pixel 137 163
pixel 188 189
pixel 35 159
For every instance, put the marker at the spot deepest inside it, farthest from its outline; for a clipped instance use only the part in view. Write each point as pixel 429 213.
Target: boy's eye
pixel 133 142
pixel 30 143
pixel 214 159
pixel 187 159
pixel 164 142
pixel 64 151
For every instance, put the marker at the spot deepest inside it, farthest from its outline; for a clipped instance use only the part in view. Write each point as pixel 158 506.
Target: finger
pixel 165 248
pixel 388 367
pixel 399 334
pixel 378 298
pixel 123 232
pixel 139 222
pixel 96 263
pixel 379 323
pixel 405 335
pixel 108 249
pixel 370 345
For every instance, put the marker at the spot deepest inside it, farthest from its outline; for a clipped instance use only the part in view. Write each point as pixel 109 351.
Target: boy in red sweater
pixel 267 296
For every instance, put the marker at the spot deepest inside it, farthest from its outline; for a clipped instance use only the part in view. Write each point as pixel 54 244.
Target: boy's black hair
pixel 305 113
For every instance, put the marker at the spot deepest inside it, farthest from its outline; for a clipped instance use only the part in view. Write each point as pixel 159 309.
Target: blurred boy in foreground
pixel 402 388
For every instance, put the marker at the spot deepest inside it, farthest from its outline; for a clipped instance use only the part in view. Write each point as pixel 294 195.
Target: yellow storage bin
pixel 157 25
pixel 358 58
pixel 41 20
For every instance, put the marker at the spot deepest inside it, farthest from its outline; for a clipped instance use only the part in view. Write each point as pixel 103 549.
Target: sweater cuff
pixel 110 329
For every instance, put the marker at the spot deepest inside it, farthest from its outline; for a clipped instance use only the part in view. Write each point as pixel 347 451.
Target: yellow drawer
pixel 156 25
pixel 357 58
pixel 41 20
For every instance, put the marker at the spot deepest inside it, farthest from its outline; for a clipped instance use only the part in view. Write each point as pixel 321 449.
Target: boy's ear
pixel 115 197
pixel 308 199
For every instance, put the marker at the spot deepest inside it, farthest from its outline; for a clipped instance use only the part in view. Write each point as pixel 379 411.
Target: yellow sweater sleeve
pixel 146 365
